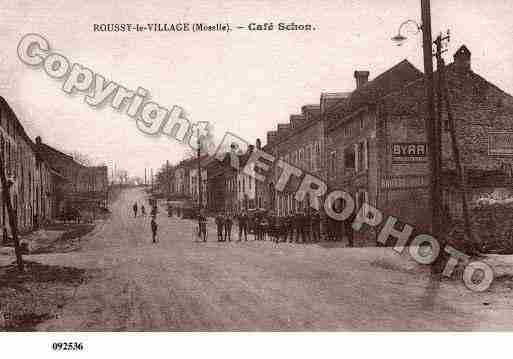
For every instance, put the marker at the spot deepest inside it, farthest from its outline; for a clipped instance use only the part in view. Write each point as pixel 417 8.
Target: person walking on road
pixel 228 222
pixel 134 207
pixel 143 211
pixel 154 228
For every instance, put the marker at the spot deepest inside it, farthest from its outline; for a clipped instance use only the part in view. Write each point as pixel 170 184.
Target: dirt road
pixel 180 284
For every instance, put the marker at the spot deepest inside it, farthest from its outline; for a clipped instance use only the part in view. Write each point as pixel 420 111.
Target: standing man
pixel 316 226
pixel 289 222
pixel 134 207
pixel 220 226
pixel 307 225
pixel 243 226
pixel 228 227
pixel 348 228
pixel 143 211
pixel 154 228
pixel 202 220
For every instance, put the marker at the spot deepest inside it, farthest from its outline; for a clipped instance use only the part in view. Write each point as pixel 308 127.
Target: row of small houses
pixel 372 143
pixel 43 182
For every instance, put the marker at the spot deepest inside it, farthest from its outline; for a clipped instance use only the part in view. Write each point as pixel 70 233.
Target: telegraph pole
pixel 200 192
pixel 431 119
pixel 168 175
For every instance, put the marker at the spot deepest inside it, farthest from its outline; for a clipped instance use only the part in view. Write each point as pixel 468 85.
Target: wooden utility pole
pixel 168 175
pixel 200 192
pixel 444 89
pixel 431 120
pixel 11 213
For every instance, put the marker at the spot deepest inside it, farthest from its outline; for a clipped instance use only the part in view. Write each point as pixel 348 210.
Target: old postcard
pixel 256 166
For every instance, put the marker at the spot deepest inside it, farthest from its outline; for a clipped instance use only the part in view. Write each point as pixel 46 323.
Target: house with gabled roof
pixel 378 148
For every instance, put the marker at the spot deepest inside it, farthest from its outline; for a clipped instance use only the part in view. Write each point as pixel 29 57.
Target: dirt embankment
pixel 36 295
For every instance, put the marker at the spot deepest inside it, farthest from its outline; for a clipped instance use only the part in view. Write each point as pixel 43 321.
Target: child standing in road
pixel 154 228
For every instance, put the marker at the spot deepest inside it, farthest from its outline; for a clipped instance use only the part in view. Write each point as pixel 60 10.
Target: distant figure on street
pixel 289 223
pixel 348 228
pixel 134 207
pixel 243 226
pixel 263 226
pixel 297 225
pixel 154 211
pixel 143 211
pixel 220 227
pixel 228 222
pixel 202 221
pixel 154 228
pixel 316 226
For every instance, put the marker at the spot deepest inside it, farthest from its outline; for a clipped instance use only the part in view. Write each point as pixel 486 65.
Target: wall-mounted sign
pixel 500 143
pixel 407 152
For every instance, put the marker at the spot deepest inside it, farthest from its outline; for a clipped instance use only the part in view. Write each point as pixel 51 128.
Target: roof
pixel 389 81
pixel 19 127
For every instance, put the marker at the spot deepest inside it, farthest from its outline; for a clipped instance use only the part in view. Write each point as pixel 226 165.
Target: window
pixel 301 157
pixel 349 158
pixel 317 156
pixel 333 162
pixel 362 197
pixel 361 155
pixel 308 156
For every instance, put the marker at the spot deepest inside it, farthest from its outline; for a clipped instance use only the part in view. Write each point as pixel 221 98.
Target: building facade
pixel 371 142
pixel 31 179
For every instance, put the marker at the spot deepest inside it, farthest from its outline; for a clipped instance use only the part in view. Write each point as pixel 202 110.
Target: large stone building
pixel 32 181
pixel 84 186
pixel 299 143
pixel 42 180
pixel 372 143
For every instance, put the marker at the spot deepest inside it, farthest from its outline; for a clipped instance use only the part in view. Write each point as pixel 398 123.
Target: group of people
pixel 298 227
pixel 224 223
pixel 153 223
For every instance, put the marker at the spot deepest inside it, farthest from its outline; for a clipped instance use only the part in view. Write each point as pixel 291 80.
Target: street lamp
pixel 399 39
pixel 432 124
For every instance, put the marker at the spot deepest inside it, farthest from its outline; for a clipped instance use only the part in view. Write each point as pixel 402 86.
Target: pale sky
pixel 244 82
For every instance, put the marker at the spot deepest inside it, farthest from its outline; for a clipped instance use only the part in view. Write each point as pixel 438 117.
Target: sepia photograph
pixel 309 167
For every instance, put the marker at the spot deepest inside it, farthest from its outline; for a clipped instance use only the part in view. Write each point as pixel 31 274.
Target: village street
pixel 180 284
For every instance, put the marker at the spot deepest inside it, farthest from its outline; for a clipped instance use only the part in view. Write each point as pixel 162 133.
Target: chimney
pixel 362 77
pixel 258 144
pixel 296 121
pixel 462 58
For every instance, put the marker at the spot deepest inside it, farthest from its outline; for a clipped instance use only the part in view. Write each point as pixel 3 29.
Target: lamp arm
pixel 419 27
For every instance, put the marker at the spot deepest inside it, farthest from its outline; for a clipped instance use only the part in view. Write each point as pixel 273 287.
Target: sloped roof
pixel 389 81
pixel 19 127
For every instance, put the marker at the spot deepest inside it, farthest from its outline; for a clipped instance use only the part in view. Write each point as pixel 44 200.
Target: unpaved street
pixel 181 284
